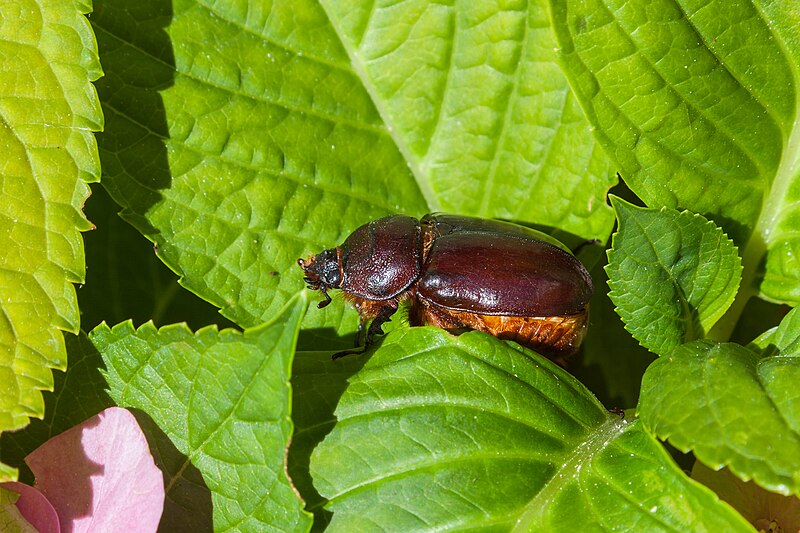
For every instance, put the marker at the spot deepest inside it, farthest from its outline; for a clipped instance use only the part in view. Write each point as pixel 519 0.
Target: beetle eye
pixel 333 277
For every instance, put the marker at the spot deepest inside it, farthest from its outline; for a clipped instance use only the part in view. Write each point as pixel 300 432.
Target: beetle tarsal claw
pixel 339 355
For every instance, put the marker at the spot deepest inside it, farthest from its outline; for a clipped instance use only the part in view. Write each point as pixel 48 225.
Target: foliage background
pixel 238 136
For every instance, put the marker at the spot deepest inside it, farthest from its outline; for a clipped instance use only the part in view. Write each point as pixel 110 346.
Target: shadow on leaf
pixel 317 383
pixel 187 499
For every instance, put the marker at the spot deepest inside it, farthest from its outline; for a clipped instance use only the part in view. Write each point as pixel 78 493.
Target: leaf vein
pixel 433 464
pixel 724 65
pixel 266 38
pixel 658 141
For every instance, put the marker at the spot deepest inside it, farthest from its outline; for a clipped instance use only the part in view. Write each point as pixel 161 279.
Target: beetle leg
pixel 359 331
pixel 339 355
pixel 358 348
pixel 327 298
pixel 584 244
pixel 375 328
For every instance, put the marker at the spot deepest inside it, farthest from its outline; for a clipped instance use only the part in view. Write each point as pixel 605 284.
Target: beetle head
pixel 323 271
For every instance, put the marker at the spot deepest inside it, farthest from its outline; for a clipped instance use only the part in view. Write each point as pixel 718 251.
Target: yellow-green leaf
pixel 48 58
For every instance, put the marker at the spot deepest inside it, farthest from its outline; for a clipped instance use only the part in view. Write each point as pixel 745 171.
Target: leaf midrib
pixel 788 168
pixel 773 204
pixel 413 163
pixel 582 455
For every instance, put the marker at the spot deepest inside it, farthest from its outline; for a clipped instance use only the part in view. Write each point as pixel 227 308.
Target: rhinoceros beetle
pixel 459 273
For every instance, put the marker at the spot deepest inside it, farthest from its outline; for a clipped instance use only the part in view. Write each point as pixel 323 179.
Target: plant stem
pixel 753 254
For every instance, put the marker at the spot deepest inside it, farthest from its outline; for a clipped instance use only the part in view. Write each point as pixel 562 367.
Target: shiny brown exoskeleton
pixel 460 272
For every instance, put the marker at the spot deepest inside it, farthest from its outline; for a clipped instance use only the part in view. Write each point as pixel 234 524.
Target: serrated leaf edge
pixel 702 453
pixel 722 309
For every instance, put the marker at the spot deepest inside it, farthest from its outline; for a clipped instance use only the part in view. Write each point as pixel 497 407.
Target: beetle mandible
pixel 459 273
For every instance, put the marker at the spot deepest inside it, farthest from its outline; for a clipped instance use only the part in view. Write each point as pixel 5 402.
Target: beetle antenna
pixel 327 298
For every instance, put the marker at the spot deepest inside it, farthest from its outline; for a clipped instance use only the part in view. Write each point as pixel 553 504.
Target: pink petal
pixel 34 507
pixel 100 475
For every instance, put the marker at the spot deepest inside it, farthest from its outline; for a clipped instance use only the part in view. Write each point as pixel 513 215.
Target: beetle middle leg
pixel 360 331
pixel 384 315
pixel 376 327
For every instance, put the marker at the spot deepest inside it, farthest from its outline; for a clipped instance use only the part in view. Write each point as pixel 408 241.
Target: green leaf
pixel 611 363
pixel 780 372
pixel 49 111
pixel 79 394
pixel 240 139
pixel 783 339
pixel 696 102
pixel 188 504
pixel 672 274
pixel 441 432
pixel 223 399
pixel 730 408
pixel 476 101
